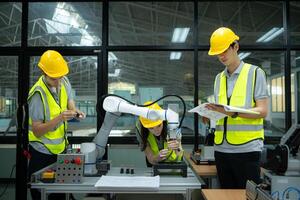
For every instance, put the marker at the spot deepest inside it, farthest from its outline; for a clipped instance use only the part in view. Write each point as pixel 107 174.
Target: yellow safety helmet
pixel 53 64
pixel 147 123
pixel 221 39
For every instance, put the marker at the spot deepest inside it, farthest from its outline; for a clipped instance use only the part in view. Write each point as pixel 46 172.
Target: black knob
pixel 121 170
pixel 127 171
pixel 132 171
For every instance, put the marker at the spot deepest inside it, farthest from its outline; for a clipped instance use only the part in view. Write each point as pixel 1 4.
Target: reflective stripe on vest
pixel 54 140
pixel 171 156
pixel 238 130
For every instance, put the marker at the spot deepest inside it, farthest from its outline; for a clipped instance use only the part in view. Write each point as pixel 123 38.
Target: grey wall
pixel 8 159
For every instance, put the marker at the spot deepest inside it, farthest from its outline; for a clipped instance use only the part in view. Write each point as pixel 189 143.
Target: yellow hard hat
pixel 221 39
pixel 147 123
pixel 53 64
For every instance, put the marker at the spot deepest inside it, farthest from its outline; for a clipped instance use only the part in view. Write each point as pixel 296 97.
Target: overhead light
pixel 297 58
pixel 175 55
pixel 270 35
pixel 113 86
pixel 180 35
pixel 244 55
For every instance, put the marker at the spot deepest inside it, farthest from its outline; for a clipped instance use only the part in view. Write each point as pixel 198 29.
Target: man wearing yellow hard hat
pixel 153 140
pixel 51 105
pixel 238 137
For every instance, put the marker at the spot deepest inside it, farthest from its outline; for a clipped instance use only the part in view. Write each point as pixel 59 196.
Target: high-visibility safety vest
pixel 55 140
pixel 171 156
pixel 238 131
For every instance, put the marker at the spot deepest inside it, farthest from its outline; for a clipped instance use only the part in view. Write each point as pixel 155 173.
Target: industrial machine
pixel 256 192
pixel 72 166
pixel 205 153
pixel 114 107
pixel 282 177
pixel 170 168
pixel 67 169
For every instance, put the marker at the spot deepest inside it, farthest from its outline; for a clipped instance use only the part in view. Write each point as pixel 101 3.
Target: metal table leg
pixel 188 195
pixel 43 194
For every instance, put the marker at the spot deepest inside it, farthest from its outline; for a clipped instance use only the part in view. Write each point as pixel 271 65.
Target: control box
pixel 282 187
pixel 69 168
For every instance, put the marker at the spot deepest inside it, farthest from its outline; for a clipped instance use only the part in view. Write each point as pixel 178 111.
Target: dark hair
pixel 145 133
pixel 233 43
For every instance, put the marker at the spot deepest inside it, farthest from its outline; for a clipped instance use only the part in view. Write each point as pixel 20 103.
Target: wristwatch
pixel 235 115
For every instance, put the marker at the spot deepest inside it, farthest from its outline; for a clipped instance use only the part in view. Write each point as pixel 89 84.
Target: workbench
pixel 169 184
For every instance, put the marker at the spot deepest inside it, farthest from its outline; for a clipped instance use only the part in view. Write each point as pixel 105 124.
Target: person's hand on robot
pixel 162 154
pixel 173 144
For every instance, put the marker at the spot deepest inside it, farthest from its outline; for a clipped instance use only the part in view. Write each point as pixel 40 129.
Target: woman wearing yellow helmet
pixel 153 140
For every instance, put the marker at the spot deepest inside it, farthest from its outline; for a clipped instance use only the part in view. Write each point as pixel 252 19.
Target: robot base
pixel 102 167
pixel 170 168
pixel 203 156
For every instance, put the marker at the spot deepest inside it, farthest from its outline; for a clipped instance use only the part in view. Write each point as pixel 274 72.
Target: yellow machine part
pixel 48 175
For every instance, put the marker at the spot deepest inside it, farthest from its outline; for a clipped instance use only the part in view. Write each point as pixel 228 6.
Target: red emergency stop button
pixel 77 161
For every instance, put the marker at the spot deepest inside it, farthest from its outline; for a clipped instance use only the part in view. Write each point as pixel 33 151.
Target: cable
pixel 6 186
pixel 171 95
pixel 276 195
pixel 288 191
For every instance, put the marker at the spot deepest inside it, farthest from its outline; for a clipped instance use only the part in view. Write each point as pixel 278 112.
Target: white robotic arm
pixel 114 107
pixel 117 105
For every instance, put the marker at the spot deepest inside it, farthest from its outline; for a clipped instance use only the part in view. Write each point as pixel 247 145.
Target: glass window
pixel 293 92
pixel 254 22
pixel 208 68
pixel 295 85
pixel 273 65
pixel 8 94
pixel 10 24
pixel 150 23
pixel 278 97
pixel 298 96
pixel 294 22
pixel 83 78
pixel 65 24
pixel 144 76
